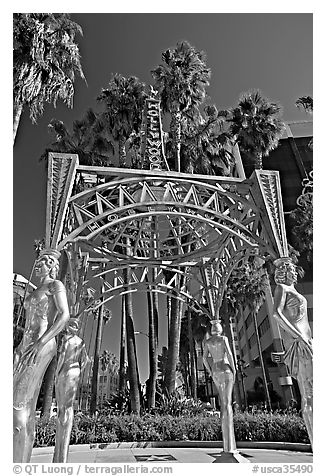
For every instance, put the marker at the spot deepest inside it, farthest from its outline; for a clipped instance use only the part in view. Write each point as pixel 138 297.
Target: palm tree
pixel 256 124
pixel 46 59
pixel 181 81
pixel 206 143
pixel 306 102
pixel 124 100
pixel 89 139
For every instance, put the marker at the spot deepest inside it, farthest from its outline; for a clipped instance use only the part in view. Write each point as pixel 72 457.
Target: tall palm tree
pixel 257 125
pixel 181 81
pixel 88 138
pixel 46 59
pixel 123 101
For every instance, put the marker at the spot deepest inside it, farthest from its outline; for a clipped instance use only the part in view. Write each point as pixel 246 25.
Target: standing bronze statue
pixel 222 370
pixel 290 311
pixel 72 360
pixel 47 313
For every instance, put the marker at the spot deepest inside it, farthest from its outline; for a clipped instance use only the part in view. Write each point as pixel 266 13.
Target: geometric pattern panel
pixel 151 219
pixel 61 175
pixel 270 199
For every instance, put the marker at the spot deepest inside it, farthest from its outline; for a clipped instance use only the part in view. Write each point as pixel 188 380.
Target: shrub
pixel 261 426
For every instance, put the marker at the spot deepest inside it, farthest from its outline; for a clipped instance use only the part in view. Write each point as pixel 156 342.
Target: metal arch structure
pixel 197 226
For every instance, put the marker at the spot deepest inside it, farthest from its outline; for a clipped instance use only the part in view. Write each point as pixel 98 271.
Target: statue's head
pixel 216 327
pixel 47 263
pixel 285 272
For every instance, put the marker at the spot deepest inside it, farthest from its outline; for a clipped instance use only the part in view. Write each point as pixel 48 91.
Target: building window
pixel 264 326
pixel 248 321
pixel 244 350
pixel 252 341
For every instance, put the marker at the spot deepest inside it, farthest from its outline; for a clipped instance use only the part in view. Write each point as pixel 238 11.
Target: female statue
pixel 72 360
pixel 290 311
pixel 46 315
pixel 223 371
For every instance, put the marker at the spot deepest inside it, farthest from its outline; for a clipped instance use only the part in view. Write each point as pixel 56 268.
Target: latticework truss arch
pixel 136 218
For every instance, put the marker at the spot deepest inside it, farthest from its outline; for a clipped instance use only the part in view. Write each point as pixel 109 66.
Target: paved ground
pixel 200 454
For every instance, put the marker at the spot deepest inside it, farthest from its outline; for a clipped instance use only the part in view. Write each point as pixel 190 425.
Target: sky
pixel 269 51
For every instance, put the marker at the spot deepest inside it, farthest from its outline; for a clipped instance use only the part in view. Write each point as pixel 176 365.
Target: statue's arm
pixel 229 355
pixel 279 304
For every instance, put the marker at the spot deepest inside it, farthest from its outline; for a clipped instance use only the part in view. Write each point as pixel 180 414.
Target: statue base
pixel 232 457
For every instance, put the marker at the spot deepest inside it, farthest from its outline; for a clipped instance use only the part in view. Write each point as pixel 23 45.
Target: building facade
pixel 293 158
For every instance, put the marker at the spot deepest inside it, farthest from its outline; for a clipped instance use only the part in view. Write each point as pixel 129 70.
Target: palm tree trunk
pixel 122 368
pixel 97 350
pixel 193 379
pixel 133 374
pixel 132 356
pixel 173 344
pixel 176 134
pixel 18 109
pixel 152 345
pixel 153 323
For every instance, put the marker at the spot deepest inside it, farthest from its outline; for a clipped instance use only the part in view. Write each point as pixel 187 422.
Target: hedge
pixel 108 429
